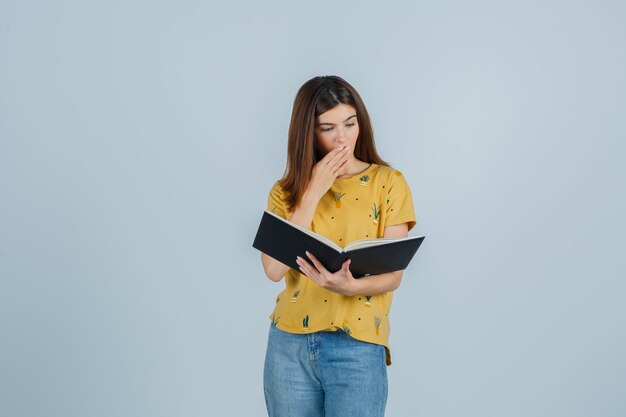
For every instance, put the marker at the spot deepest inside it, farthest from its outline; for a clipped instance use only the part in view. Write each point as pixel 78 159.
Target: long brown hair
pixel 317 96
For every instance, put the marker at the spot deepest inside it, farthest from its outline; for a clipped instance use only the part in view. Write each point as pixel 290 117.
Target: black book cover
pixel 283 241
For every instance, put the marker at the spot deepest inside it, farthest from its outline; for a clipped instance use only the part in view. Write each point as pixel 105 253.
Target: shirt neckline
pixel 358 174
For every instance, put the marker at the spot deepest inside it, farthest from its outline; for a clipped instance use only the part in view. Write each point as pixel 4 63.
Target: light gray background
pixel 139 140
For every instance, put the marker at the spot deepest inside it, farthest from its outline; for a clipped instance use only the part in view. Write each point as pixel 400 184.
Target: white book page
pixel 366 243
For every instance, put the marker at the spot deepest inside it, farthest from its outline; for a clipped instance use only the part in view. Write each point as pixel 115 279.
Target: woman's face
pixel 335 128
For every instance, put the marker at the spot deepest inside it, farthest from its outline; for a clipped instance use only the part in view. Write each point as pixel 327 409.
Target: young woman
pixel 328 344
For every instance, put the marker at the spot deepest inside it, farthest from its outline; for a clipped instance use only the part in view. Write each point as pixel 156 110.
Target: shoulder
pixel 277 193
pixel 276 188
pixel 387 171
pixel 276 202
pixel 390 175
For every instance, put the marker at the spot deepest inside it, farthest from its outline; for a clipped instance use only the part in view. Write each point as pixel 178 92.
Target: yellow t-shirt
pixel 358 207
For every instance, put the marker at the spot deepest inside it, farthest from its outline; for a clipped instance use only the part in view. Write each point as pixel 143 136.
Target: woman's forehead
pixel 339 113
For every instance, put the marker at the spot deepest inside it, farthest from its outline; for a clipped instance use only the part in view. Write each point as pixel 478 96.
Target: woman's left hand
pixel 341 282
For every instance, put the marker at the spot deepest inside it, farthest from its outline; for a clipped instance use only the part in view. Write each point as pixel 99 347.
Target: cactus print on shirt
pixel 358 207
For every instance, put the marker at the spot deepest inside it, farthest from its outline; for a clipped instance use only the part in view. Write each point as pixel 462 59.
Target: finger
pixel 338 156
pixel 308 271
pixel 326 159
pixel 317 263
pixel 311 272
pixel 312 269
pixel 338 168
pixel 303 271
pixel 304 266
pixel 304 262
pixel 346 264
pixel 339 163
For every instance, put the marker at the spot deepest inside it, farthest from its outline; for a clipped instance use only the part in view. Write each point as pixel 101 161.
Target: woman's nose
pixel 340 134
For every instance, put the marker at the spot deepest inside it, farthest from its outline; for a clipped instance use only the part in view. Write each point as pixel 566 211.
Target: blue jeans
pixel 323 374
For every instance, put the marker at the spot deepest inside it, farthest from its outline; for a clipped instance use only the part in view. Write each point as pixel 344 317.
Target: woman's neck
pixel 353 167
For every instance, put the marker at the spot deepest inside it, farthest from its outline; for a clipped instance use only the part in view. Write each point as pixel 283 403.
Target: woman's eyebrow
pixel 332 124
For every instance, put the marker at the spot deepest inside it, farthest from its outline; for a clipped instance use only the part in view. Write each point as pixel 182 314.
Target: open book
pixel 284 240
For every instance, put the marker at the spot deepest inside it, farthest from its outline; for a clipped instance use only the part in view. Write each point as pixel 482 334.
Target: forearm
pixel 377 284
pixel 302 216
pixel 303 213
pixel 274 269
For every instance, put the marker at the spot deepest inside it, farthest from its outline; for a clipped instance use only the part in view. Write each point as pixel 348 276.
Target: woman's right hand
pixel 327 169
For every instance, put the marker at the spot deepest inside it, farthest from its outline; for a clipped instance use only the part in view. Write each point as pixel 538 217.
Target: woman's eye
pixel 331 128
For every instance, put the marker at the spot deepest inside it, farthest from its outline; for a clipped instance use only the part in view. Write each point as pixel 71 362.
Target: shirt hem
pixel 288 329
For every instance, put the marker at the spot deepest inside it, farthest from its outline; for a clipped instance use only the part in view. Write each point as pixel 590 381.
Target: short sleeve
pixel 275 202
pixel 400 202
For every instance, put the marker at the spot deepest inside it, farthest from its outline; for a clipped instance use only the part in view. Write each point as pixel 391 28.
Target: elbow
pixel 270 268
pixel 271 277
pixel 398 280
